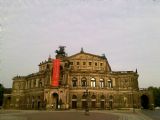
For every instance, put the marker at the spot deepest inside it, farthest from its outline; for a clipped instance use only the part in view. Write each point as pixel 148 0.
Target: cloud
pixel 126 31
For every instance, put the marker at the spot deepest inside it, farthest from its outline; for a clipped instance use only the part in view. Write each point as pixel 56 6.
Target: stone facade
pixel 107 89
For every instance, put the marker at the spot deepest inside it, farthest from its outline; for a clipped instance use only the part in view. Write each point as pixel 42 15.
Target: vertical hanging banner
pixel 56 72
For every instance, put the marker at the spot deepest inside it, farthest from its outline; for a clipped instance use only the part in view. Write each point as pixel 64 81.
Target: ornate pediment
pixel 85 56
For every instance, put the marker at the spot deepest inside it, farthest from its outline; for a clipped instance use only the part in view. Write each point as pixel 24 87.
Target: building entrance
pixel 55 101
pixel 93 104
pixel 84 104
pixel 74 104
pixel 110 104
pixel 102 104
pixel 145 102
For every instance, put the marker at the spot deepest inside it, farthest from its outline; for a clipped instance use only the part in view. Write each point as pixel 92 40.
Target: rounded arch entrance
pixel 55 99
pixel 93 101
pixel 102 102
pixel 110 102
pixel 8 101
pixel 74 102
pixel 84 101
pixel 145 101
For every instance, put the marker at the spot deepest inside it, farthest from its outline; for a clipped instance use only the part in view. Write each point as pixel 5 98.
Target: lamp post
pixel 86 93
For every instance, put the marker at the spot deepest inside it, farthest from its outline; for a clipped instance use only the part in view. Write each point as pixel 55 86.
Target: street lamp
pixel 86 93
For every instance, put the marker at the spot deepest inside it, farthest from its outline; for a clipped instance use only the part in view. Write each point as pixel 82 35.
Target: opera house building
pixel 77 81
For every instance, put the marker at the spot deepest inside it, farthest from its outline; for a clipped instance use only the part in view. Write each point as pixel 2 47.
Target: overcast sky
pixel 126 31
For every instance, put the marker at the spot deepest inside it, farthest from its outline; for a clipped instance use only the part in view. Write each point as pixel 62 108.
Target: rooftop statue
pixel 61 51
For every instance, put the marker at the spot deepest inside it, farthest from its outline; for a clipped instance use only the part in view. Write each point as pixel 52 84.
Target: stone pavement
pixel 72 114
pixel 129 115
pixel 154 114
pixel 133 116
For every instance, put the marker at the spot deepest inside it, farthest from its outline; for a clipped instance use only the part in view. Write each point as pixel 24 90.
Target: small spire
pixel 136 70
pixel 49 58
pixel 82 51
pixel 104 56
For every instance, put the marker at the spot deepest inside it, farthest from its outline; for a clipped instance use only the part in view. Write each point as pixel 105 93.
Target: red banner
pixel 56 72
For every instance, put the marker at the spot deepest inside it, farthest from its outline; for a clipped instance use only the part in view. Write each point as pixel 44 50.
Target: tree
pixel 156 95
pixel 1 94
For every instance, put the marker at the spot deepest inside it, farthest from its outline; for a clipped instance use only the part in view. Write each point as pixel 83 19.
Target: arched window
pixel 74 82
pixel 84 82
pixel 93 97
pixel 33 102
pixel 110 83
pixel 102 97
pixel 84 97
pixel 29 84
pixel 110 97
pixel 40 83
pixel 74 97
pixel 93 82
pixel 34 83
pixel 101 83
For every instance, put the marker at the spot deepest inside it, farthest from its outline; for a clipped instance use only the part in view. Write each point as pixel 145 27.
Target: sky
pixel 126 31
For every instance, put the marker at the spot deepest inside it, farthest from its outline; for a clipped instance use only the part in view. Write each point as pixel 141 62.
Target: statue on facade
pixel 104 56
pixel 61 51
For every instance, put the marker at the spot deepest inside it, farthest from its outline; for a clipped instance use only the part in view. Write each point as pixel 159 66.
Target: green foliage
pixel 156 95
pixel 1 88
pixel 1 94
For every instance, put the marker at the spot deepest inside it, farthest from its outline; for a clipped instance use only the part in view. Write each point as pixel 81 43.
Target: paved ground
pixel 155 115
pixel 56 115
pixel 78 115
